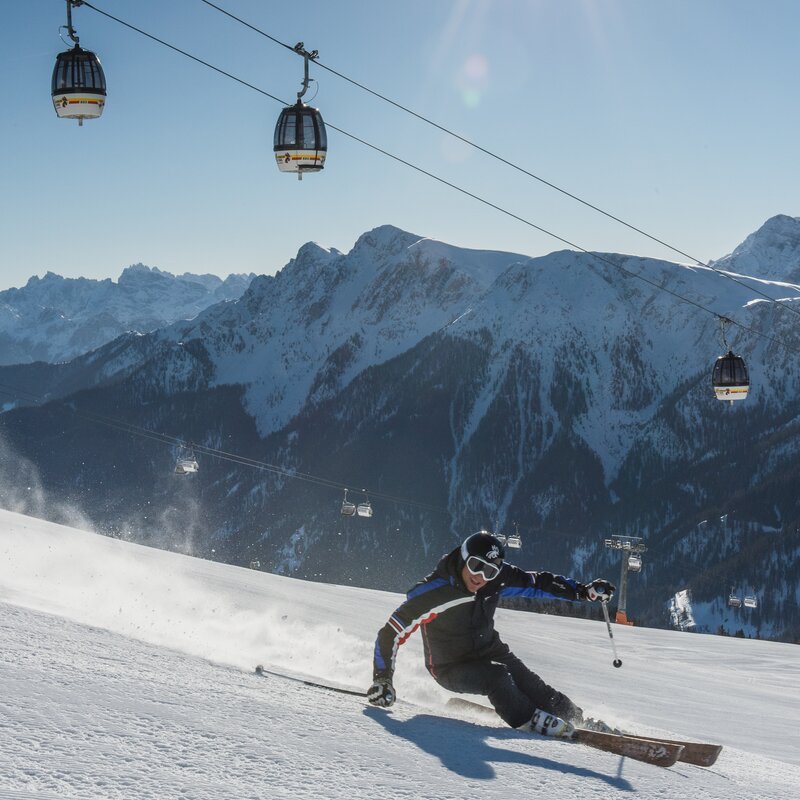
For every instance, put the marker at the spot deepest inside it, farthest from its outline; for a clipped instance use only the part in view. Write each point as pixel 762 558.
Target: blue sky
pixel 681 118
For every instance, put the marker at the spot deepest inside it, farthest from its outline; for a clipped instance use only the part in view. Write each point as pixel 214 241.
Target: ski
pixel 700 754
pixel 662 754
pixel 657 753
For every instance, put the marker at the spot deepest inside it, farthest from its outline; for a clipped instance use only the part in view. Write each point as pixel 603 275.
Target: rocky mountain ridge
pixel 57 319
pixel 459 389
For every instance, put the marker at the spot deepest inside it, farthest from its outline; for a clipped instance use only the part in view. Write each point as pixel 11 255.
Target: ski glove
pixel 381 693
pixel 599 590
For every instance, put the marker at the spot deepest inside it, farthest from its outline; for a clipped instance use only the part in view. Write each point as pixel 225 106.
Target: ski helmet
pixel 489 549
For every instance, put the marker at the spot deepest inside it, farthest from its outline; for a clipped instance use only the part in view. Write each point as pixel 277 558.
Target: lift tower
pixel 631 549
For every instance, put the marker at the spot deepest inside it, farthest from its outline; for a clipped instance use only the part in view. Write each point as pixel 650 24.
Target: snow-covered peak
pixel 310 256
pixel 142 275
pixel 777 231
pixel 141 269
pixel 49 276
pixel 772 252
pixel 333 315
pixel 385 239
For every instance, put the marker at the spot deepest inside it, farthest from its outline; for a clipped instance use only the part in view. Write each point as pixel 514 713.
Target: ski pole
pixel 617 661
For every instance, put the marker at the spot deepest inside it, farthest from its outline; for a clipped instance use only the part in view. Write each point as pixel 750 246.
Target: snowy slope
pixel 124 673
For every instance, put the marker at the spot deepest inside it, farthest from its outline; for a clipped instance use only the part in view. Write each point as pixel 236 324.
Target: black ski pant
pixel 513 690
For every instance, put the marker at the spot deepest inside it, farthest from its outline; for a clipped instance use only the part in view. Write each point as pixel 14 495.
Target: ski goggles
pixel 477 566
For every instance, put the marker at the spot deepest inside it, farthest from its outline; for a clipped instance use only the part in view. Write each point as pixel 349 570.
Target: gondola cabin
pixel 750 601
pixel 364 509
pixel 634 563
pixel 186 466
pixel 301 142
pixel 348 507
pixel 79 85
pixel 514 540
pixel 730 378
pixel 734 601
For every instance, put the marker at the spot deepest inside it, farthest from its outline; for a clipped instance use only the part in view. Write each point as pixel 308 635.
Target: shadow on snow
pixel 462 747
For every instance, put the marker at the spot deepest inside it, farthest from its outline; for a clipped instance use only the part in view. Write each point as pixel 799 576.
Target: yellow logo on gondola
pixel 76 101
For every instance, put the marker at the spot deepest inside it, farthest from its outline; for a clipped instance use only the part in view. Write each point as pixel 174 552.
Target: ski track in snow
pixel 126 672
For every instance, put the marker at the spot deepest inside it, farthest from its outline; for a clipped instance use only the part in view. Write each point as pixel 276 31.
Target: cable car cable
pixel 467 192
pixel 184 53
pixel 505 161
pixel 257 30
pixel 130 428
pixel 163 438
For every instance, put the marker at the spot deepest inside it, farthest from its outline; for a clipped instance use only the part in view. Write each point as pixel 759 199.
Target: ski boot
pixel 548 725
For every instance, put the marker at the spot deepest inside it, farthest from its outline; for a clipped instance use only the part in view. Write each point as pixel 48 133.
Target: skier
pixel 455 606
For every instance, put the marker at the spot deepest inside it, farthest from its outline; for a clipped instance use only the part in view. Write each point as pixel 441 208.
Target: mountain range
pixel 454 389
pixel 56 319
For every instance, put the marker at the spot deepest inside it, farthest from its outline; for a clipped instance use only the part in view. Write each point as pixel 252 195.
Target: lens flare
pixel 472 79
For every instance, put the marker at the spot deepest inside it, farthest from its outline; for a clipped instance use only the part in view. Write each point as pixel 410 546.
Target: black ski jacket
pixel 458 625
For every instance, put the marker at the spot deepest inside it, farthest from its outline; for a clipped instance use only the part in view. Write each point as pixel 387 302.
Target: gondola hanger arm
pixel 70 30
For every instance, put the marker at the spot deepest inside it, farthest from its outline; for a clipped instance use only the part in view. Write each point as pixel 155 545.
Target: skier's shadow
pixel 463 749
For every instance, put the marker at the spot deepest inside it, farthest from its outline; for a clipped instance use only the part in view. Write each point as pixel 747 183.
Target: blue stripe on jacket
pixel 516 591
pixel 379 662
pixel 427 587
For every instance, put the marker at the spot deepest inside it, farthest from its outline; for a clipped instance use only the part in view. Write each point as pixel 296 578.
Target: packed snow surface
pixel 127 672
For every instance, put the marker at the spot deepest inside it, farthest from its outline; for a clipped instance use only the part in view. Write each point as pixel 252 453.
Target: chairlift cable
pixel 505 161
pixel 466 192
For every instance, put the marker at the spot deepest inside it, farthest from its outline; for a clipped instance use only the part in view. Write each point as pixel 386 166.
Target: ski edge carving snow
pixel 700 754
